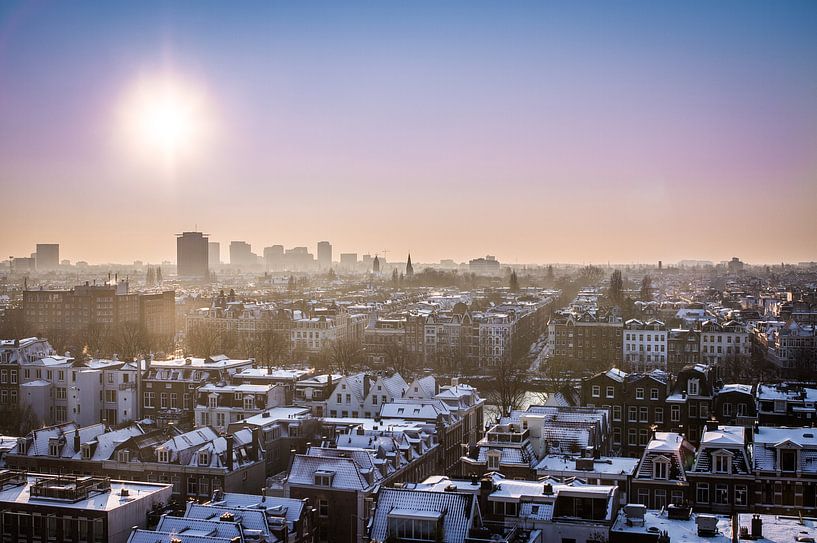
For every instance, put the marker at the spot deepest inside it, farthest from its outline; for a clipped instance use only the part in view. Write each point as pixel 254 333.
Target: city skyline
pixel 538 133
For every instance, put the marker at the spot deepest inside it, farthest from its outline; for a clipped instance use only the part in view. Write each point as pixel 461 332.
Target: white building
pixel 645 345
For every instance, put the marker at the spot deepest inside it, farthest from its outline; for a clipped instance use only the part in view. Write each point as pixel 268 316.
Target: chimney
pixel 757 527
pixel 77 443
pixel 255 446
pixel 229 453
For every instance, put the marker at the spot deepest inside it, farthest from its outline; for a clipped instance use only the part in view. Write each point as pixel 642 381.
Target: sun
pixel 165 117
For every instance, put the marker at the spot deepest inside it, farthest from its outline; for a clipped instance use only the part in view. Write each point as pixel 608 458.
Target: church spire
pixel 409 267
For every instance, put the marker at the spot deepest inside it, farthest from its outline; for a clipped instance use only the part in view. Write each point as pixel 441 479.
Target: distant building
pixel 47 256
pixel 88 306
pixel 192 255
pixel 348 261
pixel 735 265
pixel 274 258
pixel 324 255
pixel 241 254
pixel 213 254
pixel 484 266
pixel 409 268
pixel 23 264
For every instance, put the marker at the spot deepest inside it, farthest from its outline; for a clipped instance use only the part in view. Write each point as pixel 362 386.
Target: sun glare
pixel 165 118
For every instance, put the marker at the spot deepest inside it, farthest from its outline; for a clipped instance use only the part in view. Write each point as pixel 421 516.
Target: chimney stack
pixel 230 446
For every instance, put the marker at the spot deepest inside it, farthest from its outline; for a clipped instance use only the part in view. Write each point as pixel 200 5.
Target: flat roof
pixel 106 500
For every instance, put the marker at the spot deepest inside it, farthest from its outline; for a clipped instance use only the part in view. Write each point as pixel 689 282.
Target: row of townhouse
pixel 760 469
pixel 195 463
pixel 645 345
pixel 641 402
pixel 308 332
pixel 456 337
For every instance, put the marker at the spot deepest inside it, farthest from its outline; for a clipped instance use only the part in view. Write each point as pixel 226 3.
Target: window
pixel 249 403
pixel 163 400
pixel 659 415
pixel 616 436
pixel 644 414
pixel 644 496
pixel 596 391
pixel 702 493
pixel 123 455
pixel 704 411
pixel 192 486
pixel 643 437
pixel 639 393
pixel 174 400
pixel 110 395
pixel 741 409
pixel 727 409
pixel 675 413
pixel 632 437
pixel 110 377
pixel 693 387
pixel 61 393
pixel 150 397
pixel 693 410
pixel 324 478
pixel 610 392
pixel 323 508
pixel 632 414
pixel 780 406
pixel 14 377
pixel 338 398
pixel 660 468
pixel 653 393
pixel 162 455
pixel 721 494
pixel 204 458
pixel 54 448
pixel 213 401
pixel 741 495
pixel 722 463
pixel 616 412
pixel 493 459
pixel 788 460
pixel 660 500
pixel 412 529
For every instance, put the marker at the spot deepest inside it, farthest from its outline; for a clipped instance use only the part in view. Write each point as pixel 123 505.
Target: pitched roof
pixel 458 511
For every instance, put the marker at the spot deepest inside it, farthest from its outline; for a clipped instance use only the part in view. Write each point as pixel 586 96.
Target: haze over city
pixel 539 132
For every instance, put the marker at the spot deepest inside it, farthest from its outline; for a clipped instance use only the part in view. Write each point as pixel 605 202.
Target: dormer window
pixel 324 478
pixel 163 455
pixel 693 387
pixel 86 451
pixel 249 402
pixel 213 401
pixel 204 458
pixel 54 448
pixel 493 459
pixel 123 455
pixel 722 462
pixel 660 468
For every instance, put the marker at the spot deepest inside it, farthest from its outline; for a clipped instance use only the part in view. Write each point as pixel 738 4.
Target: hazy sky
pixel 538 132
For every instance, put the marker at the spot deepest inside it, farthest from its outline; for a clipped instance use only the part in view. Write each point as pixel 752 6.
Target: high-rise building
pixel 214 254
pixel 241 254
pixel 274 258
pixel 47 256
pixel 348 261
pixel 191 255
pixel 324 255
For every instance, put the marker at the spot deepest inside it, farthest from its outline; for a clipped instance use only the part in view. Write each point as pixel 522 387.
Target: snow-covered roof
pixel 458 510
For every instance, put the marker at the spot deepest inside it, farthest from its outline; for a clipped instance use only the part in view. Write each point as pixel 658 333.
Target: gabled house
pixel 722 479
pixel 661 478
pixel 384 389
pixel 348 399
pixel 785 465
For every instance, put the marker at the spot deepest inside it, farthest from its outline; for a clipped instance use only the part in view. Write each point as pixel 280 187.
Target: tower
pixel 376 265
pixel 409 268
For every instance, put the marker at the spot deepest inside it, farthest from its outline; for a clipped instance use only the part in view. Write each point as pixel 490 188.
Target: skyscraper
pixel 47 256
pixel 274 258
pixel 214 254
pixel 191 255
pixel 241 254
pixel 324 255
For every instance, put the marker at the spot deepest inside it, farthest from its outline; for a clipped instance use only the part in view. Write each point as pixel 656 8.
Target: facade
pixel 722 479
pixel 637 404
pixel 280 430
pixel 785 470
pixel 213 255
pixel 87 307
pixel 786 404
pixel 692 401
pixel 645 345
pixel 661 478
pixel 586 337
pixel 723 342
pixel 192 258
pixel 241 254
pixel 220 404
pixel 484 266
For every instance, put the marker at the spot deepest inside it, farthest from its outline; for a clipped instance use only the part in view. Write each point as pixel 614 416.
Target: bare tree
pixel 128 340
pixel 508 383
pixel 345 354
pixel 395 357
pixel 270 347
pixel 202 340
